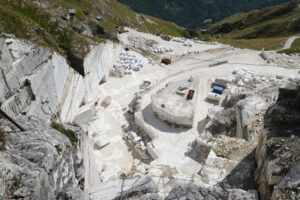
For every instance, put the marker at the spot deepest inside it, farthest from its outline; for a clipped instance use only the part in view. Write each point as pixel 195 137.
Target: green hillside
pixel 48 22
pixel 276 21
pixel 266 28
pixel 193 13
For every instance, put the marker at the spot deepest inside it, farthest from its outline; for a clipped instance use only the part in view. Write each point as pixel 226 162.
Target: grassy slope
pixel 256 44
pixel 258 29
pixel 192 13
pixel 139 21
pixel 43 24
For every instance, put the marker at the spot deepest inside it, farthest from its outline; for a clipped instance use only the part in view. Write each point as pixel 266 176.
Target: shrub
pixel 16 182
pixel 58 149
pixel 69 133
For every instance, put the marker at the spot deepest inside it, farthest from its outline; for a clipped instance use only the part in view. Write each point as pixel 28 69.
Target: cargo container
pixel 218 90
pixel 220 82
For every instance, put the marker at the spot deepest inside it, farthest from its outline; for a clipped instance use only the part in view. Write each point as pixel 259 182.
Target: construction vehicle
pixel 121 29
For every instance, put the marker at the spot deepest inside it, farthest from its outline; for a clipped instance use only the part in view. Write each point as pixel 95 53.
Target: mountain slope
pixel 281 20
pixel 267 28
pixel 49 23
pixel 192 13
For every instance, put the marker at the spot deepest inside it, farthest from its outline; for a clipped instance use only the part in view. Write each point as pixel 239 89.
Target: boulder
pixel 102 141
pixel 86 11
pixel 85 114
pixel 105 103
pixel 246 112
pixel 72 11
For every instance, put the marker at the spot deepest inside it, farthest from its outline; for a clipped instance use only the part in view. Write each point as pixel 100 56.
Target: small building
pixel 218 90
pixel 221 83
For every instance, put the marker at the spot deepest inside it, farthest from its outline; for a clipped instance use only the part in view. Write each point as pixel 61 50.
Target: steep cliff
pixel 38 81
pixel 278 151
pixel 38 87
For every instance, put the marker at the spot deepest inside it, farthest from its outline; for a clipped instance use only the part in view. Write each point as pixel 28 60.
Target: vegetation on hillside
pixel 193 13
pixel 49 23
pixel 295 48
pixel 267 28
pixel 276 21
pixel 256 44
pixel 67 132
pixel 2 140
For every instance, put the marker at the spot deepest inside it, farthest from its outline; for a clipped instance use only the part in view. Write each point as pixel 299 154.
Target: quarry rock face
pixel 247 110
pixel 277 153
pixel 217 193
pixel 37 81
pixel 144 187
pixel 41 162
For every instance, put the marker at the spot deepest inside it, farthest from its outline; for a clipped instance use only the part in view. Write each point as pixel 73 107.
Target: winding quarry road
pixel 288 43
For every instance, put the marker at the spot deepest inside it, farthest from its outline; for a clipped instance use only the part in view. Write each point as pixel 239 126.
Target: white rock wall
pixel 97 65
pixel 53 85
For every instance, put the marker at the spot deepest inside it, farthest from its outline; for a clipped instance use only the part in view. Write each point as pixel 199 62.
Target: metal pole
pixel 11 120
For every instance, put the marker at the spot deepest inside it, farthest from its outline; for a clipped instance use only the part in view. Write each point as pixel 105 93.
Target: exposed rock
pixel 247 113
pixel 39 163
pixel 27 71
pixel 72 11
pixel 222 121
pixel 34 71
pixel 99 18
pixel 86 11
pixel 72 194
pixel 214 193
pixel 128 188
pixel 76 61
pixel 85 114
pixel 278 150
pixel 200 149
pixel 77 28
pixel 172 108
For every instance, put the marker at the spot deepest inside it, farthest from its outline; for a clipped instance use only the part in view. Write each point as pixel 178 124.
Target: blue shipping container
pixel 218 90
